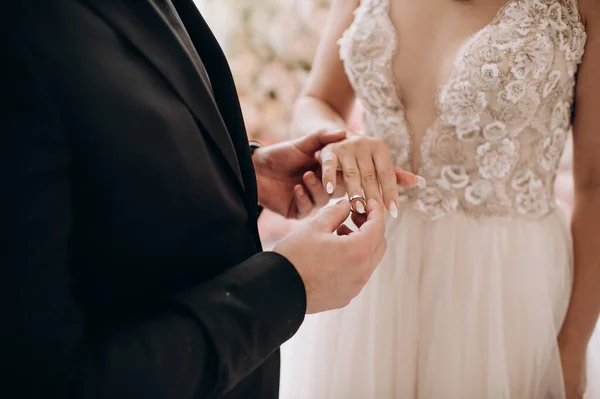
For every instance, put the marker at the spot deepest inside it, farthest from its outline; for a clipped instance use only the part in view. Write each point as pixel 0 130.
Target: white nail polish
pixel 360 208
pixel 329 188
pixel 421 182
pixel 393 209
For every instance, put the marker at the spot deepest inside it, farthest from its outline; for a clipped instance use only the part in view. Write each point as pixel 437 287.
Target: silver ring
pixel 359 198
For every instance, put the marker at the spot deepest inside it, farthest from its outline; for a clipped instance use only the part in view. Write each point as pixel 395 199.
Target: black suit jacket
pixel 130 258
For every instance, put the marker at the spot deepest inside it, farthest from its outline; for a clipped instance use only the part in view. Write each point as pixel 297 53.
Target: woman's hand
pixel 367 168
pixel 573 367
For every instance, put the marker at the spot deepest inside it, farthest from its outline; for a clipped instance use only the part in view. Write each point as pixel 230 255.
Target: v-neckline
pixel 414 146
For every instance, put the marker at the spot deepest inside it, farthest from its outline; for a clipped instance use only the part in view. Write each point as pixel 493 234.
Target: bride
pixel 483 294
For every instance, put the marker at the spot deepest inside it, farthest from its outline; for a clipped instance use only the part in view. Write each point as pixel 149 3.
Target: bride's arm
pixel 584 306
pixel 328 98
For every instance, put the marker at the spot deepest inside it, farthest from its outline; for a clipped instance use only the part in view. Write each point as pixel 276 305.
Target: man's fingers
pixel 331 217
pixel 314 142
pixel 329 165
pixel 315 187
pixel 331 136
pixel 374 226
pixel 408 180
pixel 343 230
pixel 378 255
pixel 358 219
pixel 304 204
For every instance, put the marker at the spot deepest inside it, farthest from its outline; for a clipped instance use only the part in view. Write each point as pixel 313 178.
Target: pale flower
pixel 531 195
pixel 573 44
pixel 270 45
pixel 275 118
pixel 434 203
pixel 453 176
pixel 276 82
pixel 551 150
pixel 303 47
pixel 550 85
pixel 496 159
pixel 487 76
pixel 516 103
pixel 514 91
pixel 279 33
pixel 561 116
pixel 244 67
pixel 533 58
pixel 252 117
pixel 495 131
pixel 462 103
pixel 479 192
pixel 554 17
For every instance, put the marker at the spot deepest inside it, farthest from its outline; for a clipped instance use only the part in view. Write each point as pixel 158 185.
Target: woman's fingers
pixel 387 179
pixel 408 180
pixel 329 166
pixel 367 170
pixel 352 179
pixel 368 176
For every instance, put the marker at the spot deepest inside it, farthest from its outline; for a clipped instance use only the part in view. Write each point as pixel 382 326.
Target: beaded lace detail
pixel 503 116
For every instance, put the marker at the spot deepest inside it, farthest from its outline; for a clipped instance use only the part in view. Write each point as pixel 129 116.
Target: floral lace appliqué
pixel 503 116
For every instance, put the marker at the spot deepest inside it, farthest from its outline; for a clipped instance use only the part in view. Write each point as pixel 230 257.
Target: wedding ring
pixel 362 200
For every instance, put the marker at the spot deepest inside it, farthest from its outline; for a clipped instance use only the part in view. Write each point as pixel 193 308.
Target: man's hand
pixel 335 268
pixel 286 174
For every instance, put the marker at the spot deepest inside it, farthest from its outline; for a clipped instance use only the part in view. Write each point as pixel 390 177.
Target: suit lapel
pixel 155 40
pixel 225 91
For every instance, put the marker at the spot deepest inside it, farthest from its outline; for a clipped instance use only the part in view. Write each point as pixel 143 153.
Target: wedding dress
pixel 470 296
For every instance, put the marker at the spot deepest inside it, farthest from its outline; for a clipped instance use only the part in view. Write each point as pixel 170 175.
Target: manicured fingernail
pixel 300 193
pixel 393 209
pixel 421 182
pixel 312 180
pixel 329 188
pixel 360 208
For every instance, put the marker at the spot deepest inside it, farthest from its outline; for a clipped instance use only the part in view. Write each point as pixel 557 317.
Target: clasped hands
pixel 296 177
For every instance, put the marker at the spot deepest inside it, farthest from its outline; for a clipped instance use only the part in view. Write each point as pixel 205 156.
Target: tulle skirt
pixel 459 308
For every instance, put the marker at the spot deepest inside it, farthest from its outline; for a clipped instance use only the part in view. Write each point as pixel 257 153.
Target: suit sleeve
pixel 196 344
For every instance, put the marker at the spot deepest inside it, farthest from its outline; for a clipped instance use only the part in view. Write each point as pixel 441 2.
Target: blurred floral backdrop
pixel 270 45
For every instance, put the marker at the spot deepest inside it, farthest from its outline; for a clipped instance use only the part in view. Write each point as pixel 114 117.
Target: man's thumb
pixel 331 217
pixel 314 142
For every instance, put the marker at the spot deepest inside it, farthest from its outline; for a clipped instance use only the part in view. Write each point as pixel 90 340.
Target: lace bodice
pixel 503 116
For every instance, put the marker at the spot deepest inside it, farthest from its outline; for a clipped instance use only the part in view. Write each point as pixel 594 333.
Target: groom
pixel 130 259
